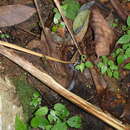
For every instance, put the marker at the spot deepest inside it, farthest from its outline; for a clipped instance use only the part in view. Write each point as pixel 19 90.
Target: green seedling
pixel 4 36
pixel 115 23
pixel 70 9
pixel 36 100
pixel 55 119
pixel 84 64
pixel 108 67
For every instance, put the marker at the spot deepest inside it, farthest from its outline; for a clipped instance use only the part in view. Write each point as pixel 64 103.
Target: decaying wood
pixel 50 82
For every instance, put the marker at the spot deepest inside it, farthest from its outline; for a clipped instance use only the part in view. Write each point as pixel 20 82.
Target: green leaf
pixel 103 69
pixel 82 19
pixel 48 127
pixel 127 66
pixel 128 32
pixel 80 67
pixel 113 54
pixel 57 18
pixel 70 8
pixel 54 28
pixel 36 94
pixel 124 39
pixel 42 111
pixel 51 118
pixel 128 21
pixel 54 116
pixel 127 52
pixel 120 59
pixel 109 72
pixel 88 64
pixel 39 122
pixel 110 63
pixel 100 64
pixel 19 124
pixel 124 28
pixel 35 102
pixel 116 74
pixel 60 126
pixel 114 67
pixel 61 110
pixel 74 122
pixel 104 59
pixel 125 46
pixel 118 51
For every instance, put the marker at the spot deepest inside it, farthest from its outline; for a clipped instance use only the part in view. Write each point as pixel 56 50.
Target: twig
pixel 38 10
pixel 66 23
pixel 38 36
pixel 33 53
pixel 50 82
pixel 119 9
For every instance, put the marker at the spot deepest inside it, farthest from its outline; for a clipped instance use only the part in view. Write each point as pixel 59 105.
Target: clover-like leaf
pixel 61 110
pixel 39 121
pixel 120 59
pixel 80 67
pixel 59 126
pixel 42 111
pixel 88 64
pixel 124 39
pixel 127 52
pixel 70 8
pixel 74 122
pixel 128 21
pixel 109 72
pixel 127 66
pixel 116 74
pixel 103 69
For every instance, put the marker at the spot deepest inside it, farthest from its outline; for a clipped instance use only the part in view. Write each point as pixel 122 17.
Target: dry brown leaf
pixel 14 14
pixel 104 35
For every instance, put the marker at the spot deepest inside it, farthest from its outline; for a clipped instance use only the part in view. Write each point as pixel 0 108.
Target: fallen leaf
pixel 80 24
pixel 104 35
pixel 14 14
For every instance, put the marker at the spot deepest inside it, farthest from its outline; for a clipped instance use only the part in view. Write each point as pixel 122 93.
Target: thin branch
pixel 33 53
pixel 66 23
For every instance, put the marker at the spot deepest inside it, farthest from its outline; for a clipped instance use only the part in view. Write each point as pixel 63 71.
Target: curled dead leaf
pixel 14 14
pixel 104 35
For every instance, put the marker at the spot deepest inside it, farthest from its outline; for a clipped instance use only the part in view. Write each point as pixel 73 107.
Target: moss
pixel 25 93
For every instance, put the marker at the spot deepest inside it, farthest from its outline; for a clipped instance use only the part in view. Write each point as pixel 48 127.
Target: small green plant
pixel 50 119
pixel 4 36
pixel 70 9
pixel 111 66
pixel 115 23
pixel 36 99
pixel 84 64
pixel 108 67
pixel 54 119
